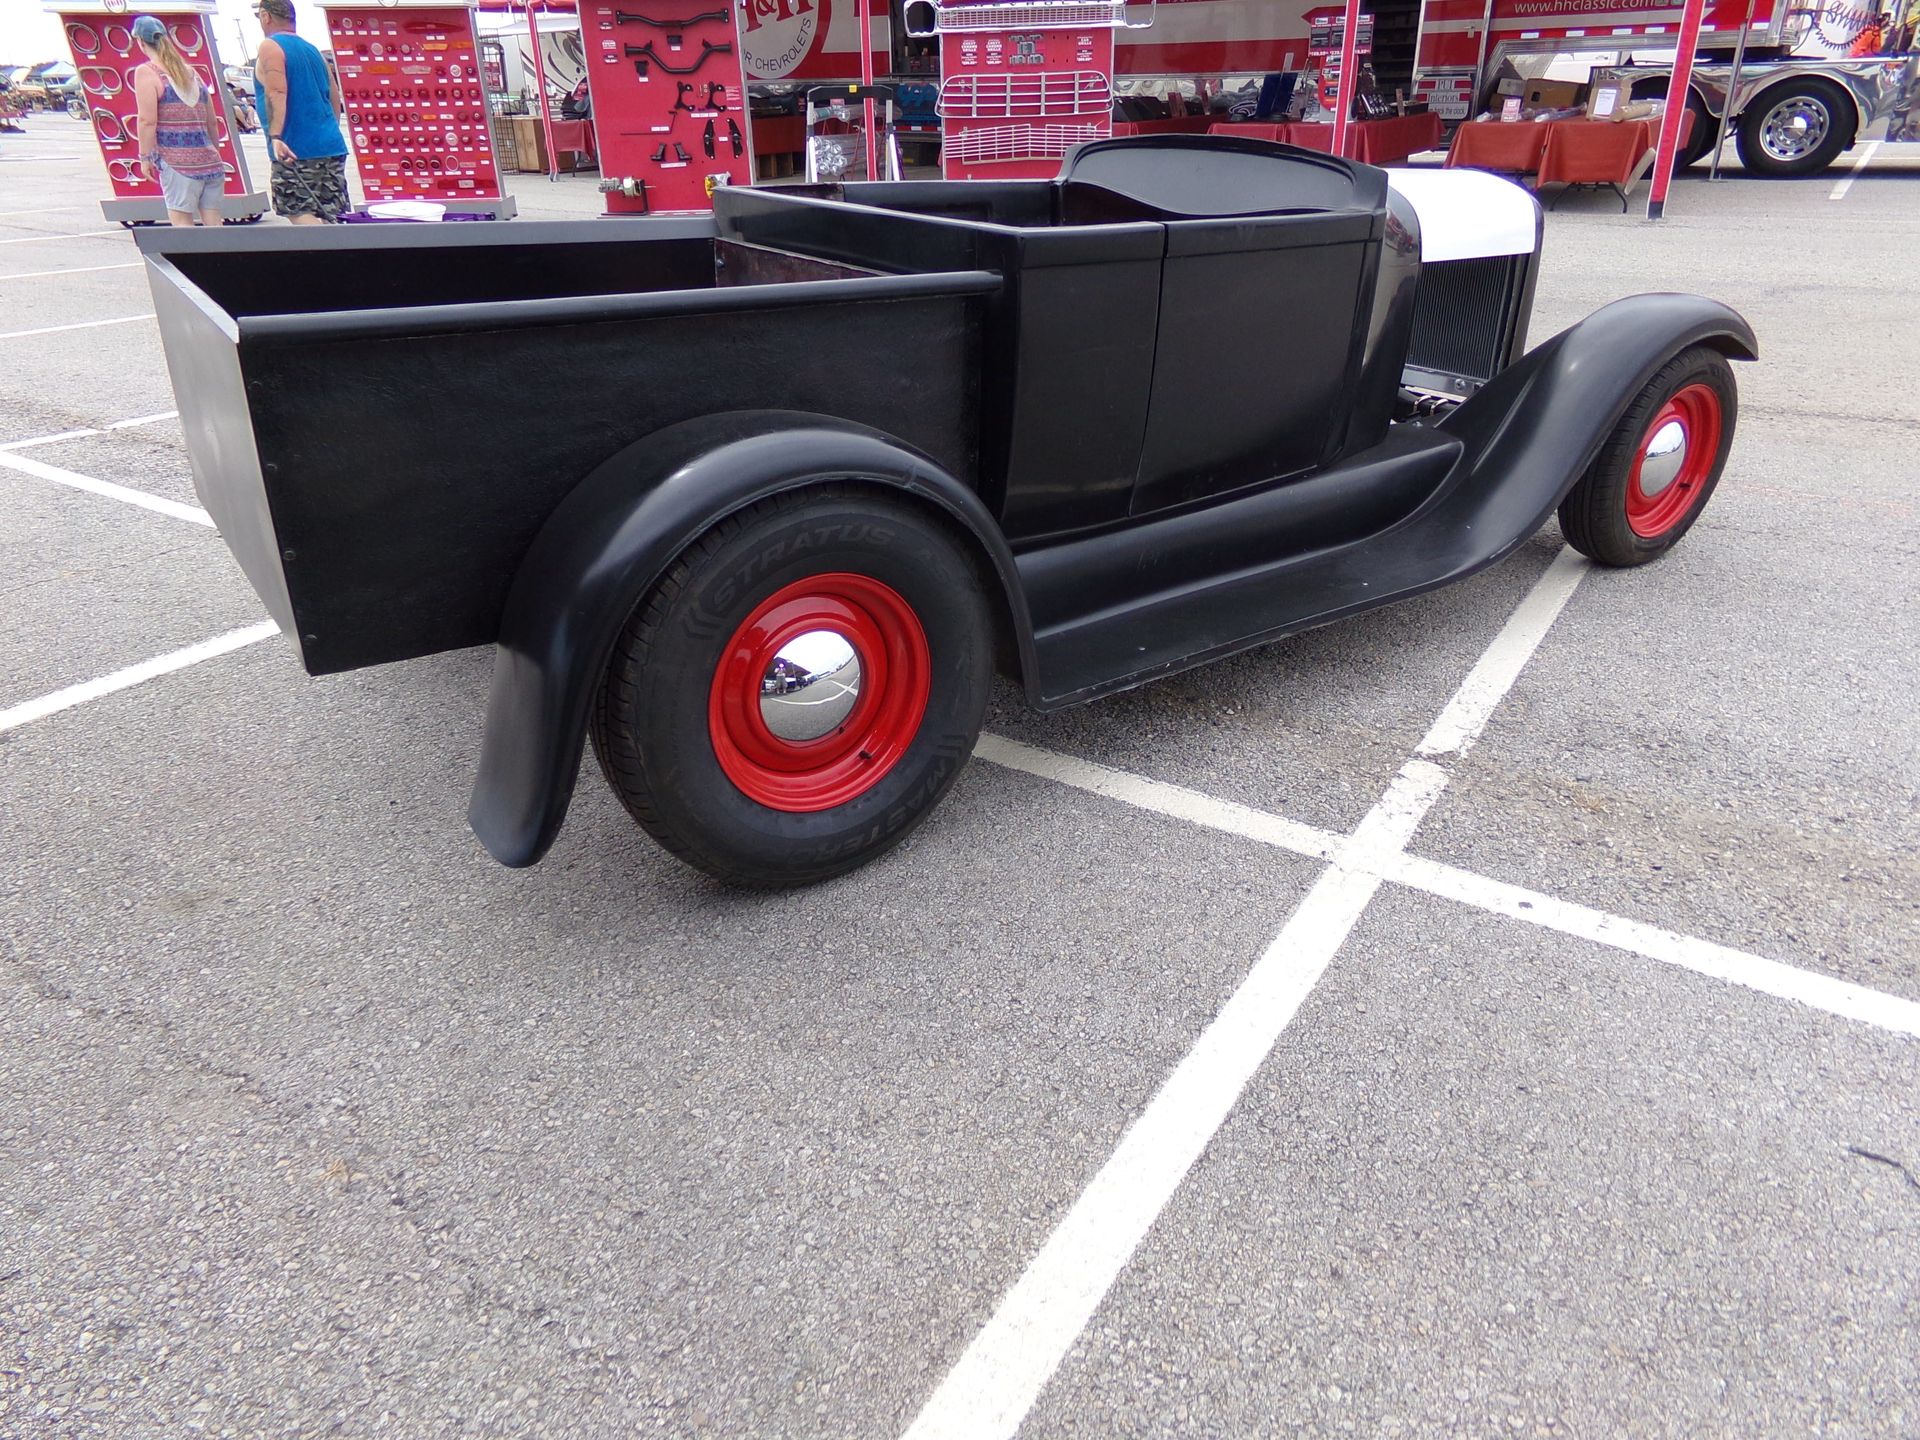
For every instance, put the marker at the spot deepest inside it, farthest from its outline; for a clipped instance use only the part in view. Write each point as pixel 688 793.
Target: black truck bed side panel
pixel 408 475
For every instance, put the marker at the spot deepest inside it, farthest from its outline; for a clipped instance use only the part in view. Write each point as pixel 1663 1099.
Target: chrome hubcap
pixel 1664 458
pixel 1794 128
pixel 810 686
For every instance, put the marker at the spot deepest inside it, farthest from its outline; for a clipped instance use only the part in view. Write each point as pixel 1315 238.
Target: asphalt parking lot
pixel 1496 1015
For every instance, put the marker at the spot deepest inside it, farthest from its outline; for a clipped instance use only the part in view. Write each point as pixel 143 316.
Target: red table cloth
pixel 1510 145
pixel 1593 151
pixel 1375 142
pixel 1172 125
pixel 576 136
pixel 779 135
pixel 1601 152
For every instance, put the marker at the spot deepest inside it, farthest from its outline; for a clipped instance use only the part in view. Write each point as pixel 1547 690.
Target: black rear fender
pixel 607 544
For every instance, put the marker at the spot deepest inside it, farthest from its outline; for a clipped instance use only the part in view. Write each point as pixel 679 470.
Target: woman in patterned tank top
pixel 175 122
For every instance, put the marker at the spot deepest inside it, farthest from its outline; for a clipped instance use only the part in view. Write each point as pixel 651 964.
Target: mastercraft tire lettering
pixel 800 689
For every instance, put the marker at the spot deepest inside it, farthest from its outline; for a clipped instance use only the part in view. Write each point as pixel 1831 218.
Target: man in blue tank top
pixel 300 106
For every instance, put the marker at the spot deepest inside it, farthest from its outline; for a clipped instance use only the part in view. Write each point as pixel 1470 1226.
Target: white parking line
pixel 1001 1373
pixel 1175 801
pixel 76 235
pixel 1846 181
pixel 74 480
pixel 133 675
pixel 76 325
pixel 45 210
pixel 1703 957
pixel 1446 882
pixel 83 433
pixel 60 439
pixel 76 270
pixel 1466 715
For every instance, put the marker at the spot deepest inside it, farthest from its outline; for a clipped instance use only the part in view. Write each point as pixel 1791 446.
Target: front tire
pixel 1659 465
pixel 800 689
pixel 1798 128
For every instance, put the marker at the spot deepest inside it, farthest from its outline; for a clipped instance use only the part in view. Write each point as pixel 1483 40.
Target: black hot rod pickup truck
pixel 803 472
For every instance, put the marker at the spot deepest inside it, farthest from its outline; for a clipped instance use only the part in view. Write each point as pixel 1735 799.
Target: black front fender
pixel 606 545
pixel 1533 430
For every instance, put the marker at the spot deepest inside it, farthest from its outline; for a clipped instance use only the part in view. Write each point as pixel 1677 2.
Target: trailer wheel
pixel 1705 126
pixel 1798 128
pixel 800 689
pixel 1654 474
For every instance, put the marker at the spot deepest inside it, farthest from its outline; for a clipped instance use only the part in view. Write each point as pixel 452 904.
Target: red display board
pixel 1023 84
pixel 669 108
pixel 415 95
pixel 100 39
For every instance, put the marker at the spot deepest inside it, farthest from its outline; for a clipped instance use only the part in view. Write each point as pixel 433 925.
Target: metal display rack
pixel 1030 15
pixel 418 113
pixel 1060 92
pixel 989 144
pixel 100 38
pixel 1011 63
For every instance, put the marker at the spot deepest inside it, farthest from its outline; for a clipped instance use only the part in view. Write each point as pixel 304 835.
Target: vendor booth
pixel 417 109
pixel 105 55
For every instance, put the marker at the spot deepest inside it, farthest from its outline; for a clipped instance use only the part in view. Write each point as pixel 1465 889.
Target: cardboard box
pixel 529 144
pixel 1609 99
pixel 1554 94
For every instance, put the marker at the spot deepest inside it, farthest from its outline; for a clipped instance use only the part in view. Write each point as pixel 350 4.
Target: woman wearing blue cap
pixel 175 124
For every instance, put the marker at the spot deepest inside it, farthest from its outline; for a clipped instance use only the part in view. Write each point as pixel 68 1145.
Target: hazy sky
pixel 29 34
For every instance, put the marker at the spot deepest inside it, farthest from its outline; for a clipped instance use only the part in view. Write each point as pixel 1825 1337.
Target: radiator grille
pixel 1463 314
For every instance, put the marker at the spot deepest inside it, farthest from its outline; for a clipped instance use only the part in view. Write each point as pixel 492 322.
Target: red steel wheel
pixel 819 692
pixel 798 690
pixel 1659 464
pixel 1676 456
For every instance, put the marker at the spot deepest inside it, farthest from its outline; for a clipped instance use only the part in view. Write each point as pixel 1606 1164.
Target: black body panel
pixel 1180 590
pixel 1123 277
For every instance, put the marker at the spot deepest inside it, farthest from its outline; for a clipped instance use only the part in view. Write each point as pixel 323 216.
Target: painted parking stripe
pixel 60 439
pixel 1846 181
pixel 1492 676
pixel 76 481
pixel 1447 882
pixel 75 325
pixel 1175 801
pixel 76 270
pixel 134 675
pixel 87 431
pixel 76 235
pixel 990 1389
pixel 1703 957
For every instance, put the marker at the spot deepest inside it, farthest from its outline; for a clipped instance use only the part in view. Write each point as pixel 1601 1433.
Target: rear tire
pixel 749 758
pixel 1641 493
pixel 1796 128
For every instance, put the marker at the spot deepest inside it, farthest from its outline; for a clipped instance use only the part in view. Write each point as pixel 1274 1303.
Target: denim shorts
pixel 191 193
